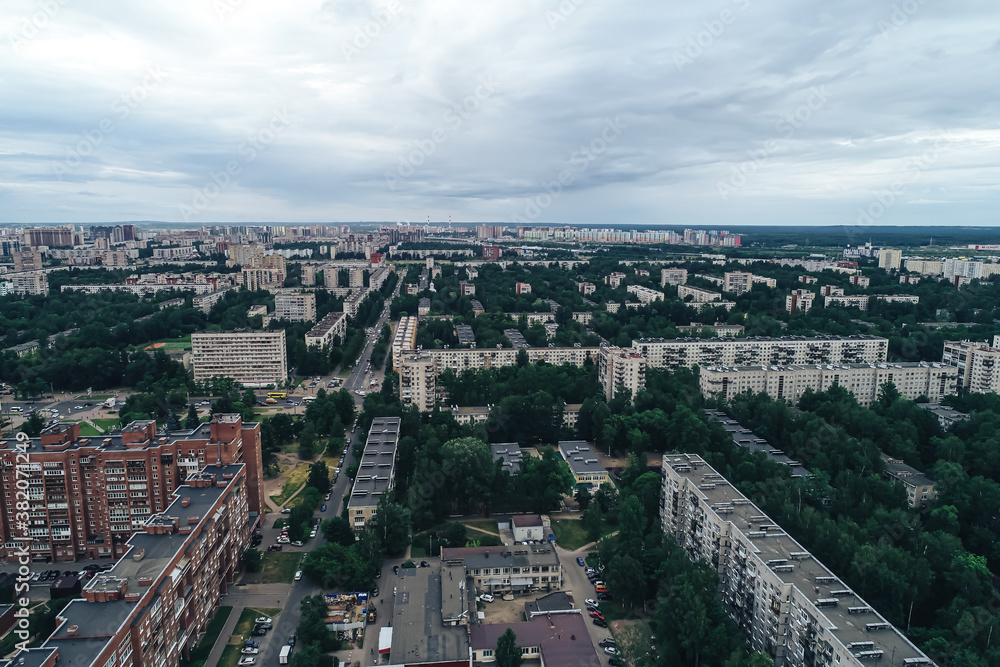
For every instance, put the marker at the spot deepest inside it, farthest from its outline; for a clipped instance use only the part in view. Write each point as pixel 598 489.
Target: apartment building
pixel 808 280
pixel 859 301
pixel 697 294
pixel 864 381
pixel 719 329
pixel 583 463
pixel 645 294
pixel 356 278
pixel 89 494
pixel 28 260
pixel 737 282
pixel 522 288
pixel 586 289
pixel 466 288
pixel 491 253
pixel 860 281
pixel 673 277
pixel 376 476
pixel 245 255
pixel 521 568
pixel 327 330
pixel 51 236
pixel 756 351
pixel 295 306
pixel 925 267
pixel 259 278
pixel 784 601
pixel 205 302
pixel 29 284
pixel 831 290
pixel 614 279
pixel 353 302
pixel 419 369
pixel 405 338
pixel 466 336
pixel 897 298
pixel 152 606
pixel 978 364
pixel 920 489
pixel 890 259
pixel 799 301
pixel 747 439
pixel 308 275
pixel 252 358
pixel 621 369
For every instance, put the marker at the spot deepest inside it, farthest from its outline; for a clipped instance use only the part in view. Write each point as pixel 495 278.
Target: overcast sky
pixel 706 114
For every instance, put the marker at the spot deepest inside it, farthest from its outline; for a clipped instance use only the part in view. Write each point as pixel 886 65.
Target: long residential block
pixel 978 364
pixel 252 358
pixel 327 330
pixel 786 602
pixel 913 380
pixel 376 473
pixel 690 352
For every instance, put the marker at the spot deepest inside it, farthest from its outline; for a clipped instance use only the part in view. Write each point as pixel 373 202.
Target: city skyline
pixel 533 112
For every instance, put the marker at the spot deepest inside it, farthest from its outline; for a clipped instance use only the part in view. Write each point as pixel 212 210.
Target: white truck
pixel 286 652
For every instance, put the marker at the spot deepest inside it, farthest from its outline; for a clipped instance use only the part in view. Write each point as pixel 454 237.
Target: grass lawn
pixel 200 653
pixel 106 422
pixel 293 480
pixel 87 430
pixel 231 654
pixel 571 535
pixel 279 567
pixel 182 343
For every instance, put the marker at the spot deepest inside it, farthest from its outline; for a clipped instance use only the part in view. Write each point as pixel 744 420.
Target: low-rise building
pixel 697 294
pixel 522 288
pixel 583 463
pixel 644 294
pixel 521 568
pixel 859 301
pixel 516 338
pixel 586 289
pixel 466 336
pixel 920 489
pixel 719 329
pixel 509 455
pixel 424 306
pixel 530 527
pixel 554 639
pixel 324 333
pixel 747 439
pixel 946 416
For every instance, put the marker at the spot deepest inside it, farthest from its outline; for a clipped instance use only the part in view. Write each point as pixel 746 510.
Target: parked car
pixel 249 650
pixel 291 640
pixel 597 614
pixel 323 508
pixel 312 534
pixel 287 510
pixel 274 547
pixel 590 602
pixel 607 641
pixel 248 660
pixel 297 543
pixel 580 561
pixel 251 643
pixel 395 569
pixel 486 597
pixel 604 596
pixel 284 540
pixel 263 619
pixel 298 575
pixel 611 650
pixel 423 563
pixel 599 623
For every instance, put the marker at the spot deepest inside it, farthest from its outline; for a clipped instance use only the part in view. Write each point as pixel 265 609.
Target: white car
pixel 283 540
pixel 591 602
pixel 486 597
pixel 248 660
pixel 298 575
pixel 611 650
pixel 263 619
pixel 250 650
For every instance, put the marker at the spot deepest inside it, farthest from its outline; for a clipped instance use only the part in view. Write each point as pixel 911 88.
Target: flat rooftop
pixel 765 339
pixel 847 366
pixel 509 453
pixel 112 441
pixel 563 639
pixel 811 579
pixel 580 457
pixel 418 632
pixel 747 439
pixel 375 471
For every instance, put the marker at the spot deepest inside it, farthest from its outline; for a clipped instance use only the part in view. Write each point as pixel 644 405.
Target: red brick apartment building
pixel 88 495
pixel 150 608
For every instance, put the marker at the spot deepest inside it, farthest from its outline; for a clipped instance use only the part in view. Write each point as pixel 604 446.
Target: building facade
pixel 800 300
pixel 620 369
pixel 784 601
pixel 756 351
pixel 295 306
pixel 864 381
pixel 252 358
pixel 89 495
pixel 978 365
pixel 327 330
pixel 673 277
pixel 376 477
pixel 644 294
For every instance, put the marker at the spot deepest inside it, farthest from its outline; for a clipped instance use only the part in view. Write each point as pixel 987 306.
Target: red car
pixel 597 614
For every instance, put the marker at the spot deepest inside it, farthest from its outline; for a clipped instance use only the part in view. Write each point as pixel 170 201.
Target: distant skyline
pixel 728 115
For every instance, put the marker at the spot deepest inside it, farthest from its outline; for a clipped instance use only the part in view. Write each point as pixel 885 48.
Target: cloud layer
pixel 549 111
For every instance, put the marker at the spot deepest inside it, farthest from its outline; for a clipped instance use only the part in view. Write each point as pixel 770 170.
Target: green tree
pixel 319 476
pixel 592 521
pixel 583 497
pixel 34 424
pixel 391 523
pixel 456 534
pixel 253 560
pixel 307 441
pixel 508 652
pixel 191 422
pixel 338 531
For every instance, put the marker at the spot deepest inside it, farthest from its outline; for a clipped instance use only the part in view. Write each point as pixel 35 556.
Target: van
pixel 601 588
pixel 286 651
